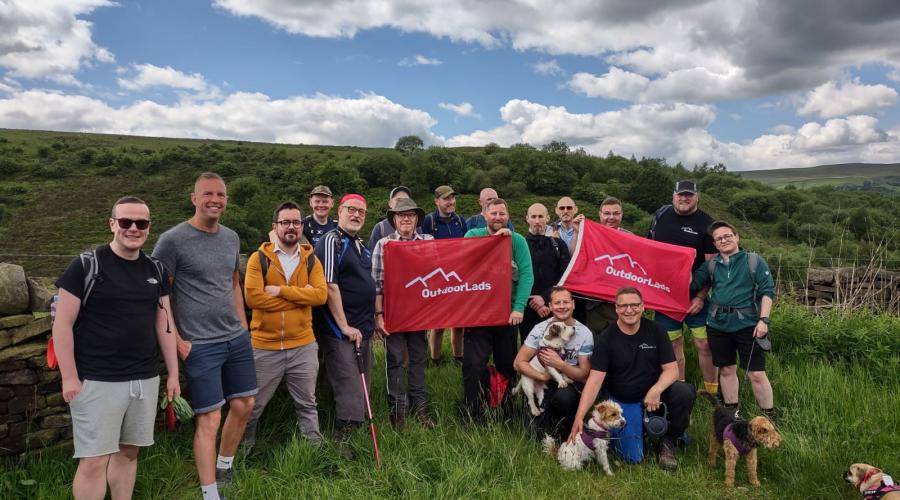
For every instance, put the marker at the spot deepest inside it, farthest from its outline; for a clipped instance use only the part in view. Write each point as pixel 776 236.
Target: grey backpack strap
pixel 653 220
pixel 92 269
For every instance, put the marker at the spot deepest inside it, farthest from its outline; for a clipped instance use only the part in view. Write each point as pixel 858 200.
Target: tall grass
pixel 834 413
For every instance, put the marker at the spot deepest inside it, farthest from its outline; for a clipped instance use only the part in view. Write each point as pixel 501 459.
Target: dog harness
pixel 884 487
pixel 588 435
pixel 741 447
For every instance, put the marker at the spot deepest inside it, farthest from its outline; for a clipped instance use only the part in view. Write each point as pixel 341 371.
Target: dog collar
pixel 739 445
pixel 588 435
pixel 867 476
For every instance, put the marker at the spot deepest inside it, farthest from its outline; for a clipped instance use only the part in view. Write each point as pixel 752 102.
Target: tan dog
pixel 592 442
pixel 872 483
pixel 739 438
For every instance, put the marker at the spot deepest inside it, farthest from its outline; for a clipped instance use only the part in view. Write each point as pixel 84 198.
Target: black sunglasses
pixel 126 223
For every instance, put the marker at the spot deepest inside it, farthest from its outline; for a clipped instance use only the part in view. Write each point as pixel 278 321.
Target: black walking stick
pixel 362 376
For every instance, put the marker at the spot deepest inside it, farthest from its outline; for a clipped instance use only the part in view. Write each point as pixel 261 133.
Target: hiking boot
pixel 770 413
pixel 424 418
pixel 667 460
pixel 224 477
pixel 398 421
pixel 342 438
pixel 458 360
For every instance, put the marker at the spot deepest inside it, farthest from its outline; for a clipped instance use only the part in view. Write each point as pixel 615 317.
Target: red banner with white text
pixel 453 282
pixel 607 259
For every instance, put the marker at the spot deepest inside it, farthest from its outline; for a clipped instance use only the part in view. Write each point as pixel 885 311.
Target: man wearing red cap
pixel 348 319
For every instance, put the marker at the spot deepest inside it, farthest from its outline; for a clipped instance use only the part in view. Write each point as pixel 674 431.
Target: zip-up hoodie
pixel 283 322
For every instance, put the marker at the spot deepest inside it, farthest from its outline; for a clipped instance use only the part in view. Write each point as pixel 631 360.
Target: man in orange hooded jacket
pixel 284 282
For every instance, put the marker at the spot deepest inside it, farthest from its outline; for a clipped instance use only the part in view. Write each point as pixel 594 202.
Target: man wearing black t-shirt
pixel 633 362
pixel 109 360
pixel 683 223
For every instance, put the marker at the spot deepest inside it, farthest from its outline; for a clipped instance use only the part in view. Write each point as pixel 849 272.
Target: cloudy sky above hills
pixel 754 84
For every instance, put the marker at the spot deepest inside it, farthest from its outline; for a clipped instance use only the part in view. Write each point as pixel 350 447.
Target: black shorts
pixel 725 346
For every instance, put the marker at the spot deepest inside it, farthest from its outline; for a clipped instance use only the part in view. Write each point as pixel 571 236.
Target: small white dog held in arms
pixel 555 337
pixel 592 442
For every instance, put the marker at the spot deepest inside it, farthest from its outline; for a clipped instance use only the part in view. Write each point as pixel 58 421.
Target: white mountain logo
pixel 613 258
pixel 440 270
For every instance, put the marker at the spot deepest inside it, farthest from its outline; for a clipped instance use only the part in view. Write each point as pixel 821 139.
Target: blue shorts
pixel 696 323
pixel 219 371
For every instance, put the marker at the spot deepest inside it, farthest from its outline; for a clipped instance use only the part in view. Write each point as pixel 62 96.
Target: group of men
pixel 316 294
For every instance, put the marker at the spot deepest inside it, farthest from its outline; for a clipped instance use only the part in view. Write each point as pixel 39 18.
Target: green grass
pixel 833 415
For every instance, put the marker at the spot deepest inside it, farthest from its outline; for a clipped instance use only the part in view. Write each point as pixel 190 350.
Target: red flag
pixel 607 259
pixel 452 282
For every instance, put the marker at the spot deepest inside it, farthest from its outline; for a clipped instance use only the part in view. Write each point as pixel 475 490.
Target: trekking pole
pixel 362 376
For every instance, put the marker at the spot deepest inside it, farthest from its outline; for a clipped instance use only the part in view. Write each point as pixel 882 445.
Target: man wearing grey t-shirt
pixel 202 258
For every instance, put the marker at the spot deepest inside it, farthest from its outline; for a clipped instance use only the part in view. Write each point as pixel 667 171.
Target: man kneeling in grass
pixel 634 362
pixel 559 404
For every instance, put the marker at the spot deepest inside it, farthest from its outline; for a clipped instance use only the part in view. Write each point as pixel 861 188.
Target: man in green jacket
pixel 482 341
pixel 740 302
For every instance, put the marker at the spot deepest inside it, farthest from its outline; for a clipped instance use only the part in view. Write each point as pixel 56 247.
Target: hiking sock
pixel 210 492
pixel 224 462
pixel 711 387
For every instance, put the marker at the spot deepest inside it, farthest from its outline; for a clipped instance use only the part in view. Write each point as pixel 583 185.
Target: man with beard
pixel 566 227
pixel 316 224
pixel 444 222
pixel 483 341
pixel 549 259
pixel 405 216
pixel 284 282
pixel 204 261
pixel 484 197
pixel 348 320
pixel 683 223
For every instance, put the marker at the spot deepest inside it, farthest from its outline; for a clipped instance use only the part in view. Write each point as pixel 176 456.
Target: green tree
pixel 409 143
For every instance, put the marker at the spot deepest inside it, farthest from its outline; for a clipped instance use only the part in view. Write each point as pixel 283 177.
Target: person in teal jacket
pixel 740 301
pixel 482 341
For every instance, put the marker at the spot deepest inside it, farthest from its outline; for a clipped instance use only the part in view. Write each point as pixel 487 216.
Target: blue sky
pixel 759 84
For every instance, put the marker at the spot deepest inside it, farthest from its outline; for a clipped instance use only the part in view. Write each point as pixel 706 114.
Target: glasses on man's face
pixel 355 211
pixel 724 237
pixel 567 207
pixel 288 223
pixel 125 223
pixel 625 307
pixel 406 215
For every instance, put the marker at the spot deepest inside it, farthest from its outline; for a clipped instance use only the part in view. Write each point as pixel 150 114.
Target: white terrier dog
pixel 592 442
pixel 555 337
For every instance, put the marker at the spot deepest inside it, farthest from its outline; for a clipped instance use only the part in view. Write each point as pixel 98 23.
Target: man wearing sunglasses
pixel 109 357
pixel 203 258
pixel 284 282
pixel 566 227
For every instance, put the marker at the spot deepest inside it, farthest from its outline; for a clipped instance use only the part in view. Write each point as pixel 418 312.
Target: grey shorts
pixel 107 414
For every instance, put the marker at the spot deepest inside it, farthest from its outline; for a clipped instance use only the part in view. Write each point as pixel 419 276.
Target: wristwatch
pixel 764 320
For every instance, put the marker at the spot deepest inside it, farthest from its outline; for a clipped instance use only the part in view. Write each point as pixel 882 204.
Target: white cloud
pixel 691 50
pixel 671 131
pixel 894 74
pixel 461 109
pixel 679 133
pixel 149 75
pixel 550 67
pixel 369 120
pixel 831 100
pixel 615 84
pixel 420 60
pixel 46 39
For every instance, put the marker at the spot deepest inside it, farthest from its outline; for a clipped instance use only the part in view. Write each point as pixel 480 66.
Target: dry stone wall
pixel 853 287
